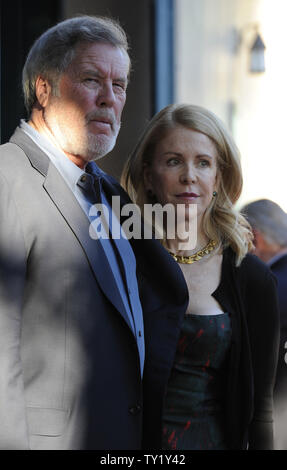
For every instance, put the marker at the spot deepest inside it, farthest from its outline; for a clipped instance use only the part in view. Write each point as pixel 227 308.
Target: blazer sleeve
pixel 263 327
pixel 13 428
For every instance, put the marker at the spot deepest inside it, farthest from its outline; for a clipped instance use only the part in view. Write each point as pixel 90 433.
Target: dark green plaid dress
pixel 193 414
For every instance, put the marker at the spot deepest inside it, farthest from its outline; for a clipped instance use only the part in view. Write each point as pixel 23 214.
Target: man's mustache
pixel 105 116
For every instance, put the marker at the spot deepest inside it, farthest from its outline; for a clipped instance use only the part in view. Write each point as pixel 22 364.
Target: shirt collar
pixel 69 170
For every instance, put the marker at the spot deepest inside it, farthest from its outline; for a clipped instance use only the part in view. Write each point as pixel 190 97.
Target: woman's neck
pixel 178 247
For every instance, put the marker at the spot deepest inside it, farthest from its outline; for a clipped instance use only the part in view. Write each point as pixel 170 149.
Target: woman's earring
pixel 214 194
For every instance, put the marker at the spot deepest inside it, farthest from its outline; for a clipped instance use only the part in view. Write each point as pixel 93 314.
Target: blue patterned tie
pixel 91 185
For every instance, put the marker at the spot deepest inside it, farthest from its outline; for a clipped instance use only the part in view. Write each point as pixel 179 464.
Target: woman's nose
pixel 188 174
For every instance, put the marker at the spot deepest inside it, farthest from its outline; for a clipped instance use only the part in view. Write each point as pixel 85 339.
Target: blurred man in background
pixel 269 224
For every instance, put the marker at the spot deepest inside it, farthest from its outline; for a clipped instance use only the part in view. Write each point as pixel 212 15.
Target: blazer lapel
pixel 76 219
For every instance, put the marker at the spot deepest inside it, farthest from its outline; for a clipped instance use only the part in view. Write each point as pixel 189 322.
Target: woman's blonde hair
pixel 221 222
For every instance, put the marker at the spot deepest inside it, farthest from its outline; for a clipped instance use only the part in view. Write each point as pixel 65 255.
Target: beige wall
pixel 210 74
pixel 204 66
pixel 134 16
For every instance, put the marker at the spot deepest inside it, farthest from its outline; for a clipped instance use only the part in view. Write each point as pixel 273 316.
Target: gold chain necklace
pixel 196 256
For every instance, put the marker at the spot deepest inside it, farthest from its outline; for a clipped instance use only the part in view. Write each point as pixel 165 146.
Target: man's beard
pixel 97 146
pixel 79 140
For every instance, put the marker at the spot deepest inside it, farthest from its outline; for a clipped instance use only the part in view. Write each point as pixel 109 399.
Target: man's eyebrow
pixel 97 74
pixel 86 71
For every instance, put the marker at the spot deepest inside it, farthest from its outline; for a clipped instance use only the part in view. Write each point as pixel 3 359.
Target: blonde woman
pixel 218 390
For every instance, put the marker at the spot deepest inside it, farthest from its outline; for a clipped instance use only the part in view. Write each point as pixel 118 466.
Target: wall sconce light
pixel 257 56
pixel 256 51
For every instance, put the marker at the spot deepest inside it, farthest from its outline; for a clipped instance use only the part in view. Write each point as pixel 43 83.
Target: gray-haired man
pixel 72 344
pixel 269 224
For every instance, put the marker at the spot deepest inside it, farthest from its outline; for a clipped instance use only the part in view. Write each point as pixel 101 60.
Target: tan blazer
pixel 69 362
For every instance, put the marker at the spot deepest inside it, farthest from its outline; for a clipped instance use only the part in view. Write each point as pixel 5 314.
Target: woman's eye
pixel 204 163
pixel 172 162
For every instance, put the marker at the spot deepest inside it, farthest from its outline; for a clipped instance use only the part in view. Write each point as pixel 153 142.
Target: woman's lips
pixel 187 196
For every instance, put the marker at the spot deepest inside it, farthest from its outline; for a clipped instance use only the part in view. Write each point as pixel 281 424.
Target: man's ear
pixel 259 240
pixel 43 91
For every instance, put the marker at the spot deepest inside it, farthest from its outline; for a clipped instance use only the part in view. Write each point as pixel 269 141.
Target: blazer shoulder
pixel 11 152
pixel 15 148
pixel 251 274
pixel 252 268
pixel 8 149
pixel 280 264
pixel 255 278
